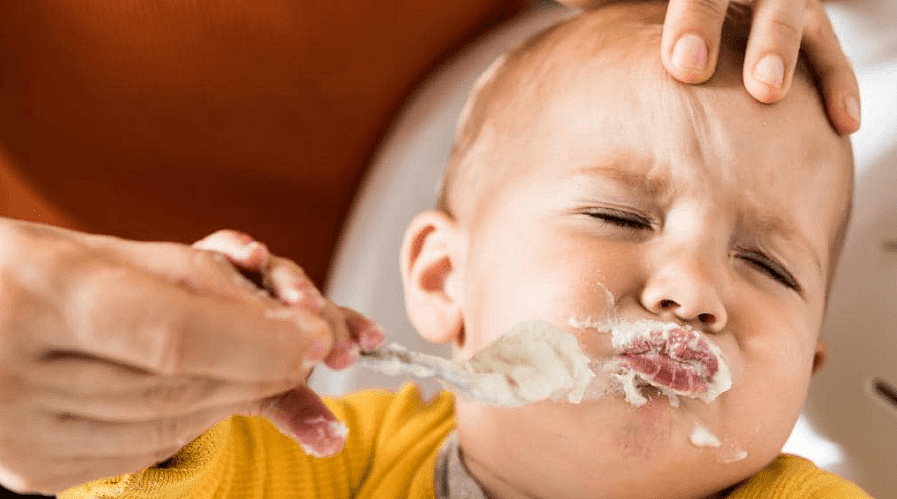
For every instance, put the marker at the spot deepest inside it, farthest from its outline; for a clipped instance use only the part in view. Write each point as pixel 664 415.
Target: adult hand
pixel 114 354
pixel 691 41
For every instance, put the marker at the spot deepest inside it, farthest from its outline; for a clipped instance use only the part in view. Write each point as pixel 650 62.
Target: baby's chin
pixel 660 429
pixel 655 445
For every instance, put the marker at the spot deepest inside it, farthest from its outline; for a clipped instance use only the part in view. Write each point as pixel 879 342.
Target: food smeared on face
pixel 675 359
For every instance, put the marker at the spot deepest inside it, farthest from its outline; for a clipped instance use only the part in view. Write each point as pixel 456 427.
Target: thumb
pixel 301 415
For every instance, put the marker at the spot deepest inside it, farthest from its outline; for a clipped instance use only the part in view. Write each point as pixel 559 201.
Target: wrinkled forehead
pixel 596 92
pixel 600 79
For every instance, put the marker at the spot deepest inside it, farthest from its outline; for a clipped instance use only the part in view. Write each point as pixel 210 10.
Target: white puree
pixel 725 454
pixel 587 323
pixel 532 361
pixel 701 437
pixel 624 333
pixel 730 453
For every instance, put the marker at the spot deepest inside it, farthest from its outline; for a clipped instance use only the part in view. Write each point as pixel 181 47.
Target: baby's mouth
pixel 677 360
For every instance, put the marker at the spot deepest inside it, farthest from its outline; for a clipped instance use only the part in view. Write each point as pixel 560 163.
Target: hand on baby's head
pixel 586 182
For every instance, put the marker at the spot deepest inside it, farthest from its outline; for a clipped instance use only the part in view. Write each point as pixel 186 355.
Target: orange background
pixel 169 119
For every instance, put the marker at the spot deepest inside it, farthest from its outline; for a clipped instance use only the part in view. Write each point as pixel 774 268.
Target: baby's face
pixel 695 206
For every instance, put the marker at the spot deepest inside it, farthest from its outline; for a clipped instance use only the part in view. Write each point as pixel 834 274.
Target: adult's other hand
pixel 780 28
pixel 114 354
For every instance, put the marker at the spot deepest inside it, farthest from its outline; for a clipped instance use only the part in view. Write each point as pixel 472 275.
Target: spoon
pixel 532 361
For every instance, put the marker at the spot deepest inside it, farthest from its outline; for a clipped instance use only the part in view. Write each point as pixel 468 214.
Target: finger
pixel 772 50
pixel 289 283
pixel 346 348
pixel 368 333
pixel 191 268
pixel 301 415
pixel 142 321
pixel 51 478
pixel 240 248
pixel 98 390
pixel 690 41
pixel 71 436
pixel 835 77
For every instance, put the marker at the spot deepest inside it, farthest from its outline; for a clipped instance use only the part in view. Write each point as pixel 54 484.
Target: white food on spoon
pixel 531 362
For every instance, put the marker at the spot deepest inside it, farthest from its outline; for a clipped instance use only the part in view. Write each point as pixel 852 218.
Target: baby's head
pixel 586 185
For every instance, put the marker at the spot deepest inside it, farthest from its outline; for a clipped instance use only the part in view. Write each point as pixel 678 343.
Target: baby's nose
pixel 687 291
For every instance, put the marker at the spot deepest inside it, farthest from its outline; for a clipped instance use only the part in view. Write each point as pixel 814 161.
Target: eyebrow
pixel 652 186
pixel 766 222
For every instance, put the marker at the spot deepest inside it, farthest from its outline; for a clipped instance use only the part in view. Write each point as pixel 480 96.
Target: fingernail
pixel 690 53
pixel 371 337
pixel 305 295
pixel 770 70
pixel 852 106
pixel 292 296
pixel 317 350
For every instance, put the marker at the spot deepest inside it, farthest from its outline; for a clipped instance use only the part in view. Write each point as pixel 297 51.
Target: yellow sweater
pixel 394 440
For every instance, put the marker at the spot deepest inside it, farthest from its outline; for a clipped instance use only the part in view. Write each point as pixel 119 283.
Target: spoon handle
pixel 395 359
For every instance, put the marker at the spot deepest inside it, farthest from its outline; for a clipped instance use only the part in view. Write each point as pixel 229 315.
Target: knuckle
pixel 167 358
pixel 167 397
pixel 283 268
pixel 816 24
pixel 786 28
pixel 208 262
pixel 93 292
pixel 172 397
pixel 713 9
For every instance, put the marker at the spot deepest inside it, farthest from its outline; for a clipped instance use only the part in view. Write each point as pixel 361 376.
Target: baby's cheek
pixel 585 314
pixel 763 404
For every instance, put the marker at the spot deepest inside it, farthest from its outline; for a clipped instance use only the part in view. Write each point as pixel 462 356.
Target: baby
pixel 590 190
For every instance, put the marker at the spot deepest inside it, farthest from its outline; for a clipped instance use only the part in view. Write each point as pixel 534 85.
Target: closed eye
pixel 620 218
pixel 771 268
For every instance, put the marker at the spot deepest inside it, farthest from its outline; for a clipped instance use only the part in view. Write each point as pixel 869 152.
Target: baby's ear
pixel 820 355
pixel 431 272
